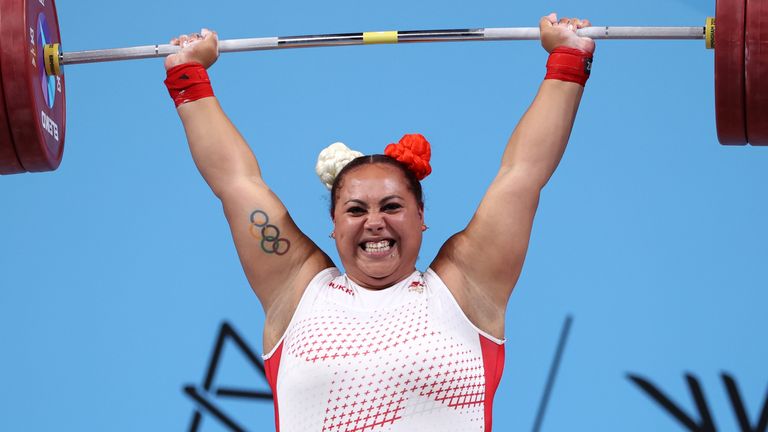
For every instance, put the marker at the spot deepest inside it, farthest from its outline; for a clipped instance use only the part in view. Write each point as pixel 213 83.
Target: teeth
pixel 374 247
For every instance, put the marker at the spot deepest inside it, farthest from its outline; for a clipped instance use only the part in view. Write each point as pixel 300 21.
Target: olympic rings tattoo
pixel 269 234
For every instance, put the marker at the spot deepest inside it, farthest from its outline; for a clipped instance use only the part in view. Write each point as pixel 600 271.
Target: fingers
pixel 192 38
pixel 548 21
pixel 551 20
pixel 181 40
pixel 579 23
pixel 177 40
pixel 209 34
pixel 569 23
pixel 573 24
pixel 552 17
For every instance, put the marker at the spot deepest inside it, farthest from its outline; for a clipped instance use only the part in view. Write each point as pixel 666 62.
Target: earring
pixel 332 235
pixel 424 227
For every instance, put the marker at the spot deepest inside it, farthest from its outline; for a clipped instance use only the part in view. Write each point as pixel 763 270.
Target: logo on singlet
pixel 343 288
pixel 417 286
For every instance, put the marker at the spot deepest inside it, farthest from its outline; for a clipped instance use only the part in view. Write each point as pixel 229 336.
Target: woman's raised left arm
pixel 482 263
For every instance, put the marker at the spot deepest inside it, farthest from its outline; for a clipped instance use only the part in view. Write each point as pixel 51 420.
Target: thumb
pixel 547 21
pixel 207 34
pixel 211 38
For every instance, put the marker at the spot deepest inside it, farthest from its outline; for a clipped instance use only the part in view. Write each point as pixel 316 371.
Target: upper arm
pixel 278 259
pixel 486 258
pixel 489 253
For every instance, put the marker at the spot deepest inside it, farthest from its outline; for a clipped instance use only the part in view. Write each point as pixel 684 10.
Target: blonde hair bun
pixel 332 160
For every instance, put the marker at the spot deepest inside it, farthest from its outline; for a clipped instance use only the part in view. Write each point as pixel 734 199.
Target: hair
pixel 414 185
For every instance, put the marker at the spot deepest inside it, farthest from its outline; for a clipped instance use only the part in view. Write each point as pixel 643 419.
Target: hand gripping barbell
pixel 32 123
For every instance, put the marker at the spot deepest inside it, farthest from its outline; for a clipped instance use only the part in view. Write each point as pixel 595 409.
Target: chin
pixel 380 275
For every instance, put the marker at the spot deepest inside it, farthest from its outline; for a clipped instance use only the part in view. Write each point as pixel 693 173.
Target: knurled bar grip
pixel 487 34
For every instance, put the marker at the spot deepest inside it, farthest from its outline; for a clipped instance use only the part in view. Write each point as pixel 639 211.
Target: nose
pixel 374 222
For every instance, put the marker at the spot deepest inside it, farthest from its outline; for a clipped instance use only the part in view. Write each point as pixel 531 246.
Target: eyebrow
pixel 383 200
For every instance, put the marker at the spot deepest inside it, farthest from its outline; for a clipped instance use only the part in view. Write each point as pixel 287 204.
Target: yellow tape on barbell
pixel 51 59
pixel 380 37
pixel 709 33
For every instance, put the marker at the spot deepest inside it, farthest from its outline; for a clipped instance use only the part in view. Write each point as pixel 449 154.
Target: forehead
pixel 372 182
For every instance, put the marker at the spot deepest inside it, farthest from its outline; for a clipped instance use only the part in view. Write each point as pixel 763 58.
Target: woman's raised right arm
pixel 278 259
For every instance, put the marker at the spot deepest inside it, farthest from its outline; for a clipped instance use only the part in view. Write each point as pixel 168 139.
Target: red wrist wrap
pixel 569 64
pixel 188 82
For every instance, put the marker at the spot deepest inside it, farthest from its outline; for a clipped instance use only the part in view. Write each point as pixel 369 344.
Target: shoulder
pixel 282 311
pixel 483 312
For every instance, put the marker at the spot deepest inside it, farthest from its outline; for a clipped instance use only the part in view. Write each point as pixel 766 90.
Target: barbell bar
pixel 310 41
pixel 32 85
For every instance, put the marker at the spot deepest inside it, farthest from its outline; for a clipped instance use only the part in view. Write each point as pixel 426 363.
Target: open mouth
pixel 377 247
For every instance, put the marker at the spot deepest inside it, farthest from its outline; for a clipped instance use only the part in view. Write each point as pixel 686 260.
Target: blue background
pixel 117 269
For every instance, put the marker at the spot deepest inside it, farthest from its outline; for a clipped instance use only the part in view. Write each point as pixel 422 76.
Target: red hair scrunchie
pixel 414 151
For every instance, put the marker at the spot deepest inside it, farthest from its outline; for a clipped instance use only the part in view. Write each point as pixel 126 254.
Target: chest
pixel 392 364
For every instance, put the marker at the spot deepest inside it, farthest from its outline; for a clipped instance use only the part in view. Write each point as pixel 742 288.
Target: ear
pixel 421 213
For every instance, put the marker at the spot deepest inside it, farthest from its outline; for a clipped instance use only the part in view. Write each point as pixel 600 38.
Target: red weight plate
pixel 756 71
pixel 9 160
pixel 33 100
pixel 729 72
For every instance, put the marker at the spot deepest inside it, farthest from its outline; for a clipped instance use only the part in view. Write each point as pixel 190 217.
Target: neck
pixel 376 284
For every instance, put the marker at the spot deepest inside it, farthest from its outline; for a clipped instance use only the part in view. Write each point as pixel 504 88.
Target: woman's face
pixel 377 225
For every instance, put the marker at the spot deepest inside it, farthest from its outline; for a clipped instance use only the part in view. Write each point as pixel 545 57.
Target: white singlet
pixel 405 358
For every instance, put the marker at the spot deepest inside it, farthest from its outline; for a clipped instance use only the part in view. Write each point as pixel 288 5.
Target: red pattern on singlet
pixel 387 368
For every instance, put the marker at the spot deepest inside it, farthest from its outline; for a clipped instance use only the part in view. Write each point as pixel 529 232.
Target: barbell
pixel 33 117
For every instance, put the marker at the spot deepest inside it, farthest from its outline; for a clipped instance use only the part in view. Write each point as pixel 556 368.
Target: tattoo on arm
pixel 267 234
